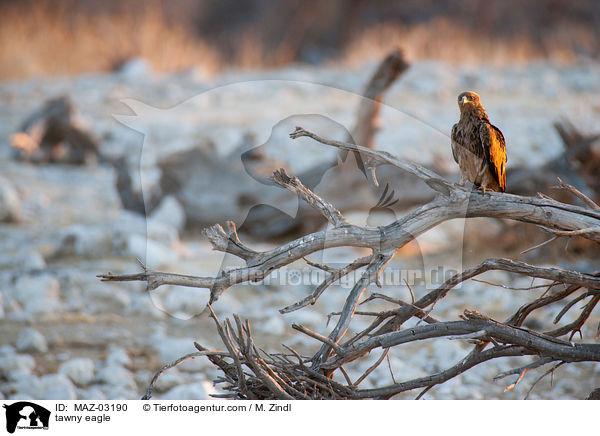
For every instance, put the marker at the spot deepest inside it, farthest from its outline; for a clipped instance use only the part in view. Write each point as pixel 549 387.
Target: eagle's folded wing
pixel 494 148
pixel 453 138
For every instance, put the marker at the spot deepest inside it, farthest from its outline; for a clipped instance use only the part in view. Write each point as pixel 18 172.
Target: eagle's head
pixel 468 98
pixel 468 101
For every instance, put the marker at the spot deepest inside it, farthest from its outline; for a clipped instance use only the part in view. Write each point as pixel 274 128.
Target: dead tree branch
pixel 367 122
pixel 287 376
pixel 451 202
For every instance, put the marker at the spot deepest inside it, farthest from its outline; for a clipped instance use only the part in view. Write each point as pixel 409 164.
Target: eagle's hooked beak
pixel 464 100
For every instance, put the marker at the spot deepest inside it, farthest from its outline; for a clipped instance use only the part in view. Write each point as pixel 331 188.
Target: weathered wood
pixel 452 202
pixel 277 376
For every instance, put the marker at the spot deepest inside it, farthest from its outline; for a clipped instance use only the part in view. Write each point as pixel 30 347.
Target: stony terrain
pixel 66 335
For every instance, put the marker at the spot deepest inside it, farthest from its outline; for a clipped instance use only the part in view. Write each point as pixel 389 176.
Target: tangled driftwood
pixel 249 373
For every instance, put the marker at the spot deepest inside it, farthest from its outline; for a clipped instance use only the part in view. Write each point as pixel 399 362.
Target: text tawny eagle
pixel 478 146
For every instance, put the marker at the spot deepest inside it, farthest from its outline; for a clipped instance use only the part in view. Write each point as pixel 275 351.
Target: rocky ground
pixel 66 335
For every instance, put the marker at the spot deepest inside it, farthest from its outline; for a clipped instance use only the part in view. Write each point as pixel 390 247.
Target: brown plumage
pixel 478 146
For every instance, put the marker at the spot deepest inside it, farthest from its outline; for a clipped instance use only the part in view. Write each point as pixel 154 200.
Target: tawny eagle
pixel 478 146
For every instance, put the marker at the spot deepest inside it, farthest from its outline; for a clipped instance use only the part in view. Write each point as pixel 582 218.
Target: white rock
pixel 80 370
pixel 121 393
pixel 144 305
pixel 446 351
pixel 169 212
pixel 228 304
pixel 193 391
pixel 117 356
pixel 23 384
pixel 84 241
pixel 6 350
pixel 30 340
pixel 27 260
pixel 64 356
pixel 137 68
pixel 10 205
pixel 103 297
pixel 273 326
pixel 149 251
pixel 57 387
pixel 116 376
pixel 162 233
pixel 92 393
pixel 170 349
pixel 37 294
pixel 16 362
pixel 305 317
pixel 143 376
pixel 18 397
pixel 184 303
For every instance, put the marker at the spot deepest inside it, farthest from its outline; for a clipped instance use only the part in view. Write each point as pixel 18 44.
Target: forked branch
pixel 250 374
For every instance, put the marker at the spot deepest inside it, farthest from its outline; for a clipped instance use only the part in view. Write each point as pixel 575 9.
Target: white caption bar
pixel 294 417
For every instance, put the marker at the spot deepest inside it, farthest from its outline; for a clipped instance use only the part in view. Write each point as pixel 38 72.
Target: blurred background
pixel 126 127
pixel 57 37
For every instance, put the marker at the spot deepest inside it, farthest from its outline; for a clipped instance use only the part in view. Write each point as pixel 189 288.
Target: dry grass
pixel 445 41
pixel 43 43
pixel 52 40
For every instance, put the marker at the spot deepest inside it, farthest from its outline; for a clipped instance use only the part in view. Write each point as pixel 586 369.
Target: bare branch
pixel 370 275
pixel 557 274
pixel 579 232
pixel 280 376
pixel 176 362
pixel 228 241
pixel 316 336
pixel 373 367
pixel 332 278
pixel 367 122
pixel 575 326
pixel 577 193
pixel 455 202
pixel 535 247
pixel 474 322
pixel 540 362
pixel 372 158
pixel 571 304
pixel 294 185
pixel 550 371
pixel 420 313
pixel 473 359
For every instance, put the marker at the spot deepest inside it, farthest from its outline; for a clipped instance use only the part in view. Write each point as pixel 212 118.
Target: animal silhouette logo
pixel 217 128
pixel 26 415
